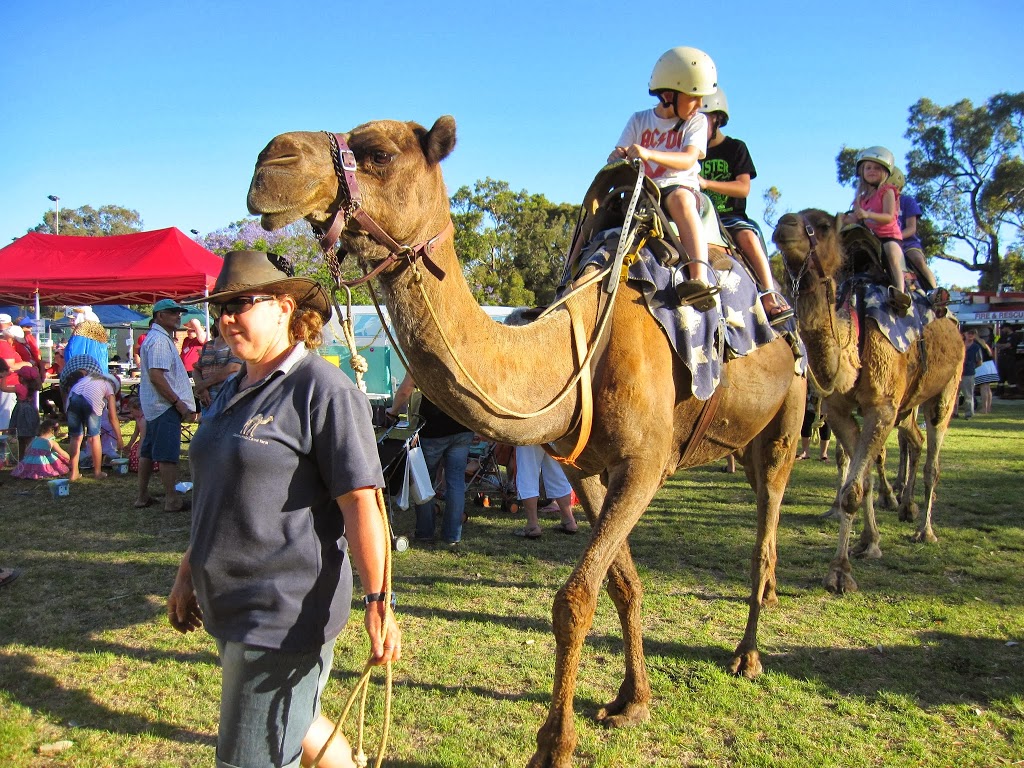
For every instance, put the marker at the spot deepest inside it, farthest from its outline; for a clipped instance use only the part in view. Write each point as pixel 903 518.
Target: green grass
pixel 921 667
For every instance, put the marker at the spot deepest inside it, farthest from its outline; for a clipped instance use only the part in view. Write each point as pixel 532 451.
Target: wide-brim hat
pixel 81 362
pixel 249 272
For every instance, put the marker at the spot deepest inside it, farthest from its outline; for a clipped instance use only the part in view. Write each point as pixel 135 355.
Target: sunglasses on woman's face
pixel 238 305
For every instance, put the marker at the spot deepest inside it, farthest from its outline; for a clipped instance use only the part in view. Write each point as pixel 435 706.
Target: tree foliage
pixel 512 244
pixel 967 166
pixel 89 222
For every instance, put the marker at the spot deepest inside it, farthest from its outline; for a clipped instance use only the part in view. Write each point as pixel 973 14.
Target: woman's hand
pixel 388 648
pixel 183 611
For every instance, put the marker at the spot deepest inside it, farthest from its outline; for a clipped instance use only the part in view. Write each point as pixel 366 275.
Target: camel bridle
pixel 351 209
pixel 811 260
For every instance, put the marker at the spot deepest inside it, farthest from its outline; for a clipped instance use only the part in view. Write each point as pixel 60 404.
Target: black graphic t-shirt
pixel 724 163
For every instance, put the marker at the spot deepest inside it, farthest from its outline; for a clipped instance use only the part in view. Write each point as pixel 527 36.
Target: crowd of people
pixel 284 462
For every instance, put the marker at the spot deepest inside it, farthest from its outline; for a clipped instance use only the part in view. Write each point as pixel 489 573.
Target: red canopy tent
pixel 122 269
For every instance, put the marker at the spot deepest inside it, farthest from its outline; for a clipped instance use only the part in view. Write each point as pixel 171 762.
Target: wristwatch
pixel 379 597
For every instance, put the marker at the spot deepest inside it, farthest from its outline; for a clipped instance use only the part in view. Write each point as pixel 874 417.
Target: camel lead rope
pixel 356 361
pixel 362 685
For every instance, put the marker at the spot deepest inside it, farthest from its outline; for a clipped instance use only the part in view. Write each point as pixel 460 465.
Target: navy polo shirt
pixel 269 558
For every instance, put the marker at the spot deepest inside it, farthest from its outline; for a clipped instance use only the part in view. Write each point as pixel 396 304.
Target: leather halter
pixel 812 257
pixel 351 209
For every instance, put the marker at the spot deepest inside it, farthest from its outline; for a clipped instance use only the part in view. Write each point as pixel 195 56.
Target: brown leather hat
pixel 249 272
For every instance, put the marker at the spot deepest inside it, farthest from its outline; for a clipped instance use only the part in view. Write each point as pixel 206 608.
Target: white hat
pixel 4 318
pixel 15 332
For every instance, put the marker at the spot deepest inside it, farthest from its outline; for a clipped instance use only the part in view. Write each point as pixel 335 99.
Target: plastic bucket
pixel 120 466
pixel 59 488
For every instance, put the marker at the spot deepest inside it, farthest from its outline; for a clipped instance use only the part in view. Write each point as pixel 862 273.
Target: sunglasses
pixel 238 305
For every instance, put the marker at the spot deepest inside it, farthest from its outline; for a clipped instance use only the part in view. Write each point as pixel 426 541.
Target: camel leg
pixel 839 578
pixel 843 469
pixel 630 489
pixel 769 462
pixel 632 704
pixel 938 423
pixel 886 492
pixel 911 441
pixel 878 423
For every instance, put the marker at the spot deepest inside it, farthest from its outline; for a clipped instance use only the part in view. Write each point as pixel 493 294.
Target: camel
pixel 867 375
pixel 643 413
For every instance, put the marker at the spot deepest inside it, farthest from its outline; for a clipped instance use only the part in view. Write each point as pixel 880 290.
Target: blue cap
pixel 27 322
pixel 165 305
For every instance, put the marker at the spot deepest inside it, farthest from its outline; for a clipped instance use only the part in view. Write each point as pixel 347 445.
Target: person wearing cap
pixel 286 474
pixel 167 400
pixel 28 326
pixel 14 362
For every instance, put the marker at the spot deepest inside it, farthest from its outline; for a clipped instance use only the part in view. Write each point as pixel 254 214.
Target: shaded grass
pixel 919 668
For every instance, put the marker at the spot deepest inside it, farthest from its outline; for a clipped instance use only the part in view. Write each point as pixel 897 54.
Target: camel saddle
pixel 623 203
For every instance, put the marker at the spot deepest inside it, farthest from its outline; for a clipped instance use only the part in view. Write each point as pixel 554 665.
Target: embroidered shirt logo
pixel 249 428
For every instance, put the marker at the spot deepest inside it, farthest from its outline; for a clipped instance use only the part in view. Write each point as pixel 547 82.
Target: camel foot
pixel 867 551
pixel 832 514
pixel 555 745
pixel 909 512
pixel 746 665
pixel 770 599
pixel 925 537
pixel 616 715
pixel 839 581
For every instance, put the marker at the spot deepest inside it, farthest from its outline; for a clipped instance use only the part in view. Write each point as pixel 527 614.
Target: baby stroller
pixel 493 482
pixel 393 444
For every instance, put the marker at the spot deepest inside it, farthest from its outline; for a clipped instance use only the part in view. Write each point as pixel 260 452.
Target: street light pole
pixel 56 207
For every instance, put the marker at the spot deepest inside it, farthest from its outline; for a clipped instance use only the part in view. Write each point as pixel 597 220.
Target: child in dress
pixel 135 442
pixel 44 458
pixel 671 140
pixel 876 206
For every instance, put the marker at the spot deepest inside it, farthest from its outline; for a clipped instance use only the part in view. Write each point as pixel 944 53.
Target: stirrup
pixel 782 314
pixel 697 294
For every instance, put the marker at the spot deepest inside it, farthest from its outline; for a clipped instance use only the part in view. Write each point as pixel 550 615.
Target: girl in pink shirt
pixel 877 206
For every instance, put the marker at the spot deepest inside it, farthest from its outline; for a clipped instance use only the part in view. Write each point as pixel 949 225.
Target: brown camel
pixel 868 376
pixel 643 413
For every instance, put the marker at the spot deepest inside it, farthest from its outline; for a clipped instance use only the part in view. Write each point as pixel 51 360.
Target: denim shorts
pixel 269 699
pixel 81 417
pixel 163 438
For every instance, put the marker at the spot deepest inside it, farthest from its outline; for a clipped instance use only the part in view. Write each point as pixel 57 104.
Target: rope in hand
pixel 362 685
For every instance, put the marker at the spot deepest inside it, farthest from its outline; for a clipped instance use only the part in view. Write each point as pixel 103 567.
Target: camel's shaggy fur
pixel 643 413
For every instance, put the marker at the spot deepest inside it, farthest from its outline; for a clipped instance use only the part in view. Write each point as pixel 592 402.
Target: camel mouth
pixel 274 221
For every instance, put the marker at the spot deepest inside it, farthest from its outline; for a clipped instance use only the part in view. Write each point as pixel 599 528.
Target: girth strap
pixel 707 415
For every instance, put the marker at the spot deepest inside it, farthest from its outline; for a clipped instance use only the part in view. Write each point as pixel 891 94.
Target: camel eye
pixel 381 157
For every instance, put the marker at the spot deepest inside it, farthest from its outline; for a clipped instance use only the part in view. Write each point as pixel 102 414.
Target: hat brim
pixel 308 294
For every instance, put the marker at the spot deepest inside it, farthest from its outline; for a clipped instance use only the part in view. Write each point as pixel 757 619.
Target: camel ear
pixel 439 141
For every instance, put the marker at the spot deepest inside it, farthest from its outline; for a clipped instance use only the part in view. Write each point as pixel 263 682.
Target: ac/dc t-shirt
pixel 724 163
pixel 269 558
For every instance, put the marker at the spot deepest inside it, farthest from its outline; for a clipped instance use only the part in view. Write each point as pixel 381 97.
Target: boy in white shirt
pixel 671 140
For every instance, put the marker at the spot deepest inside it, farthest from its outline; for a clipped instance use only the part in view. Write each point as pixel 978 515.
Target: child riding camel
pixel 725 177
pixel 671 140
pixel 876 206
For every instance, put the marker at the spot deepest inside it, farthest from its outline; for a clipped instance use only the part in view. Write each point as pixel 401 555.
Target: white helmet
pixel 684 69
pixel 879 155
pixel 716 102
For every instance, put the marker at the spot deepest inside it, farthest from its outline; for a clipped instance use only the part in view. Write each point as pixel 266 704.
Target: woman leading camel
pixel 286 444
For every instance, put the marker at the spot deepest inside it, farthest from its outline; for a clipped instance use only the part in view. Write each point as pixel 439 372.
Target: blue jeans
pixel 454 451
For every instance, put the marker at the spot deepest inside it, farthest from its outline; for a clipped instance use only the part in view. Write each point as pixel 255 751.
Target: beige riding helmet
pixel 684 69
pixel 716 102
pixel 897 179
pixel 880 155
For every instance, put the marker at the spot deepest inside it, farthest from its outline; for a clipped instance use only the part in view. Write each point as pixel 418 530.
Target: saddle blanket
pixel 901 331
pixel 735 327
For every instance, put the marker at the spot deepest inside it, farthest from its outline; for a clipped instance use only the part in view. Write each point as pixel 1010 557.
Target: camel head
pixel 809 242
pixel 397 169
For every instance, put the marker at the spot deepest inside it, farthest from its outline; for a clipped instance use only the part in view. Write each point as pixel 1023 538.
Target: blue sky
pixel 163 107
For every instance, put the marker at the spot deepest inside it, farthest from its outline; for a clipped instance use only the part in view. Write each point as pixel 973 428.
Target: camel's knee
pixel 572 611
